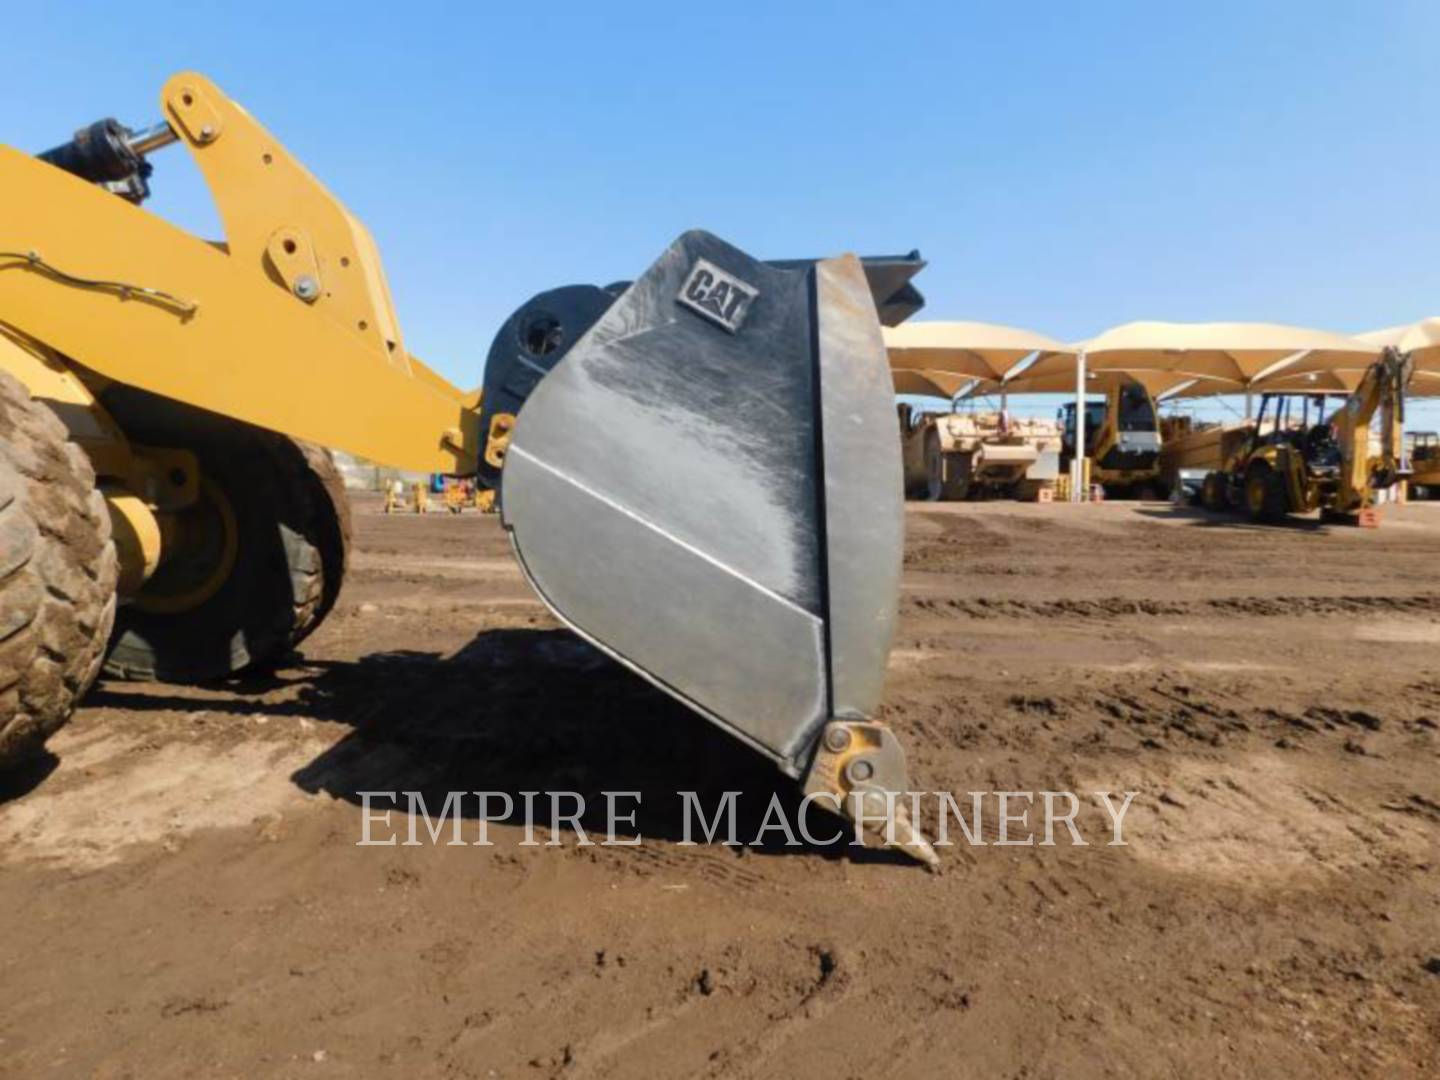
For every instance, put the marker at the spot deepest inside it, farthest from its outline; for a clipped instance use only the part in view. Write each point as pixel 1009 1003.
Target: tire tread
pixel 57 573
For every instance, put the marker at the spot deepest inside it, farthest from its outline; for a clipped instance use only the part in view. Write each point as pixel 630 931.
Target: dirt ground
pixel 182 894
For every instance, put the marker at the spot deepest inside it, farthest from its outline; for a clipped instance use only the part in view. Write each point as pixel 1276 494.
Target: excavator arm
pixel 1381 391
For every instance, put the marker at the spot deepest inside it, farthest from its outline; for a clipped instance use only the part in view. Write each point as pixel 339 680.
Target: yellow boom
pixel 229 327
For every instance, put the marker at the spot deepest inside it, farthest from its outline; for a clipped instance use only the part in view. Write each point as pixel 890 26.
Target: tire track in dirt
pixel 1114 607
pixel 1274 914
pixel 1168 712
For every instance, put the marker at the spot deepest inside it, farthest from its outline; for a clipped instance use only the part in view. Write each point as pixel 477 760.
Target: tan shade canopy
pixel 1237 353
pixel 1158 383
pixel 977 350
pixel 1420 337
pixel 1421 340
pixel 944 384
pixel 1343 381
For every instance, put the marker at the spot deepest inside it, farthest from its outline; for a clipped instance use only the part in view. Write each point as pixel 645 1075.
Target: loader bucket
pixel 707 487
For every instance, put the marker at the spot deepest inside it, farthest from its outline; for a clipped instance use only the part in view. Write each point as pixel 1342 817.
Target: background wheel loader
pixel 1424 453
pixel 166 510
pixel 1122 441
pixel 1294 459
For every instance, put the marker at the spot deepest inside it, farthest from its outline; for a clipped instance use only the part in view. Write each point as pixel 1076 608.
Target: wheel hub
pixel 200 544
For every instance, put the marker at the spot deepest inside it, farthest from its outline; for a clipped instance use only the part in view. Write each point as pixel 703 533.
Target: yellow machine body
pixel 1122 449
pixel 1381 392
pixel 1328 465
pixel 287 325
pixel 1425 461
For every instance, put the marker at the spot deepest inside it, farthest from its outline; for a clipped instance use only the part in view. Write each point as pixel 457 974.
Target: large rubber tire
pixel 1213 495
pixel 1264 494
pixel 331 528
pixel 1152 491
pixel 57 574
pixel 292 523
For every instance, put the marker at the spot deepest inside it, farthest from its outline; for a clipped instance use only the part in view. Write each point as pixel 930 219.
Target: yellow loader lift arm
pixel 233 329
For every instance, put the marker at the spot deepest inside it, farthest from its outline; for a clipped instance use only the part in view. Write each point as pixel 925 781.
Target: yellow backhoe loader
pixel 167 512
pixel 1294 459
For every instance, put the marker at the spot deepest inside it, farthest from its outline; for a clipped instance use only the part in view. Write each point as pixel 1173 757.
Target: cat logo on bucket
pixel 720 297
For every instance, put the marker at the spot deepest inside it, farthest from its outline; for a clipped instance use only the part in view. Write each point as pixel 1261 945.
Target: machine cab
pixel 1298 421
pixel 1121 430
pixel 1094 421
pixel 1425 449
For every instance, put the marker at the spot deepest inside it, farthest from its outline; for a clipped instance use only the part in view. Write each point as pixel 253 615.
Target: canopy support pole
pixel 1077 461
pixel 1249 404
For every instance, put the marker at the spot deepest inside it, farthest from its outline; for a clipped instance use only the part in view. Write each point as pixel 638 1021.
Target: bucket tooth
pixel 860 764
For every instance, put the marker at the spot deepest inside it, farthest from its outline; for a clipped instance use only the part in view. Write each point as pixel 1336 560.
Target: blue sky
pixel 1064 166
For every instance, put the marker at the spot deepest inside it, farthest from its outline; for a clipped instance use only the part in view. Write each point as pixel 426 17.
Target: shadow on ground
pixel 1236 522
pixel 25 776
pixel 514 711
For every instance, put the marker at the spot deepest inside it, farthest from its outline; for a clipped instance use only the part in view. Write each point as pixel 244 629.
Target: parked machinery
pixel 1296 459
pixel 951 456
pixel 163 399
pixel 1122 440
pixel 1190 451
pixel 1424 455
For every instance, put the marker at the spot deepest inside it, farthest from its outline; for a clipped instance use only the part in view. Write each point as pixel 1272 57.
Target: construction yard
pixel 197 905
